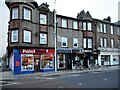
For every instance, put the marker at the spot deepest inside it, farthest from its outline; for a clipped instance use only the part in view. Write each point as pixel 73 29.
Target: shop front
pixel 32 60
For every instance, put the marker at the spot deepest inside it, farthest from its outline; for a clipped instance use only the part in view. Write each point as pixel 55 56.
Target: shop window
pixel 43 19
pixel 27 14
pixel 15 13
pixel 61 61
pixel 47 61
pixel 14 36
pixel 75 42
pixel 43 38
pixel 27 62
pixel 27 36
pixel 75 25
pixel 64 41
pixel 64 23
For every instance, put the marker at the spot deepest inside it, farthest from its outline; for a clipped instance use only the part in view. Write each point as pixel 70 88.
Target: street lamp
pixel 55 36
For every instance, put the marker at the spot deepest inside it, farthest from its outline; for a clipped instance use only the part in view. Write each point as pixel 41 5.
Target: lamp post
pixel 55 36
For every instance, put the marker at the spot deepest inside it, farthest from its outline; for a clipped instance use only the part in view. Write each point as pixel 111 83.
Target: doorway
pixel 36 63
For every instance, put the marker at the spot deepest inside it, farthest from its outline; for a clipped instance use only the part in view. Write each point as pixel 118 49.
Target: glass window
pixel 75 42
pixel 27 62
pixel 118 43
pixel 61 61
pixel 15 13
pixel 84 25
pixel 112 43
pixel 27 36
pixel 105 42
pixel 118 30
pixel 43 38
pixel 111 29
pixel 80 26
pixel 64 41
pixel 14 37
pixel 47 61
pixel 27 14
pixel 75 26
pixel 101 42
pixel 89 26
pixel 101 27
pixel 43 19
pixel 64 23
pixel 104 28
pixel 84 40
pixel 89 43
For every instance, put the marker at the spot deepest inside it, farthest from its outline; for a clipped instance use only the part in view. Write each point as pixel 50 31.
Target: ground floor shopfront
pixel 31 60
pixel 109 56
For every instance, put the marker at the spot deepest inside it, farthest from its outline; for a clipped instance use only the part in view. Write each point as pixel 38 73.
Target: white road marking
pixel 11 83
pixel 105 79
pixel 80 83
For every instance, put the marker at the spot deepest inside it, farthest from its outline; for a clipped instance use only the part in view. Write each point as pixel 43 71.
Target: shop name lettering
pixel 28 51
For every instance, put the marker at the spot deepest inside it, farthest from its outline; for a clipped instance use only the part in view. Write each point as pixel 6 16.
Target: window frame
pixel 101 42
pixel 45 37
pixel 89 46
pixel 111 30
pixel 86 43
pixel 101 27
pixel 105 28
pixel 64 23
pixel 24 14
pixel 89 26
pixel 84 26
pixel 105 42
pixel 75 40
pixel 30 36
pixel 112 43
pixel 64 41
pixel 12 35
pixel 75 24
pixel 13 14
pixel 45 18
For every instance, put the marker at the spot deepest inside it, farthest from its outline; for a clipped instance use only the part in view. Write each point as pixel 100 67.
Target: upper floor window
pixel 105 42
pixel 89 26
pixel 43 38
pixel 15 13
pixel 112 43
pixel 87 42
pixel 43 19
pixel 64 41
pixel 64 23
pixel 27 14
pixel 75 42
pixel 101 42
pixel 80 26
pixel 27 36
pixel 112 30
pixel 118 30
pixel 84 25
pixel 101 27
pixel 14 36
pixel 104 28
pixel 75 25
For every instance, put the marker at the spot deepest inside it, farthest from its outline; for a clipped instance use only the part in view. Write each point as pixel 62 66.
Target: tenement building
pixel 80 41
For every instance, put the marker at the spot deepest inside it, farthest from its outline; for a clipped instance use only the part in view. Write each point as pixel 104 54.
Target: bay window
pixel 87 42
pixel 27 36
pixel 84 25
pixel 27 14
pixel 14 36
pixel 15 13
pixel 75 26
pixel 89 26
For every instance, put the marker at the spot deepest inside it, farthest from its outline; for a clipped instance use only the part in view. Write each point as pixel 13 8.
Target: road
pixel 101 79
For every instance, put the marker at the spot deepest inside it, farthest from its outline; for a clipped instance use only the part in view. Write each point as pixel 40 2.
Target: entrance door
pixel 69 61
pixel 36 63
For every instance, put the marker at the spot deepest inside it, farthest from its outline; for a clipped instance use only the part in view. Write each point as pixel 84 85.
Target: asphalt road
pixel 103 79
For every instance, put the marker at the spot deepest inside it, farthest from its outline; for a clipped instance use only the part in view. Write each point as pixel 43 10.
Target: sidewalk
pixel 8 75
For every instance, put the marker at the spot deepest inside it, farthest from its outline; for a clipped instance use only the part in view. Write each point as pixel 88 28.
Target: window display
pixel 27 62
pixel 47 61
pixel 61 61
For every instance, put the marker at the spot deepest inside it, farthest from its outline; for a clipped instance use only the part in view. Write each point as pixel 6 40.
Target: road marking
pixel 80 83
pixel 11 83
pixel 60 87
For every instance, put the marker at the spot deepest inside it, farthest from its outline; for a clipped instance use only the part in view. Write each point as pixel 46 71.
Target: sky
pixel 98 9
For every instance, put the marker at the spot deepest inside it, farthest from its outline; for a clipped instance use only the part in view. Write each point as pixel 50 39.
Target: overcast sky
pixel 98 9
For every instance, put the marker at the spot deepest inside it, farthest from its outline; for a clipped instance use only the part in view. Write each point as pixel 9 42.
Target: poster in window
pixel 27 61
pixel 43 38
pixel 61 61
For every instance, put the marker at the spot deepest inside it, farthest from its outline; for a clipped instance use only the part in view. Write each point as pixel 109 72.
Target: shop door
pixel 69 61
pixel 36 63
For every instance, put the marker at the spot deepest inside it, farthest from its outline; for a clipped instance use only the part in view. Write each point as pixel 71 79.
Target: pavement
pixel 8 75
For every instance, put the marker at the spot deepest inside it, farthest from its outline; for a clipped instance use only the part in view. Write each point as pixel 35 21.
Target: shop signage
pixel 17 63
pixel 37 51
